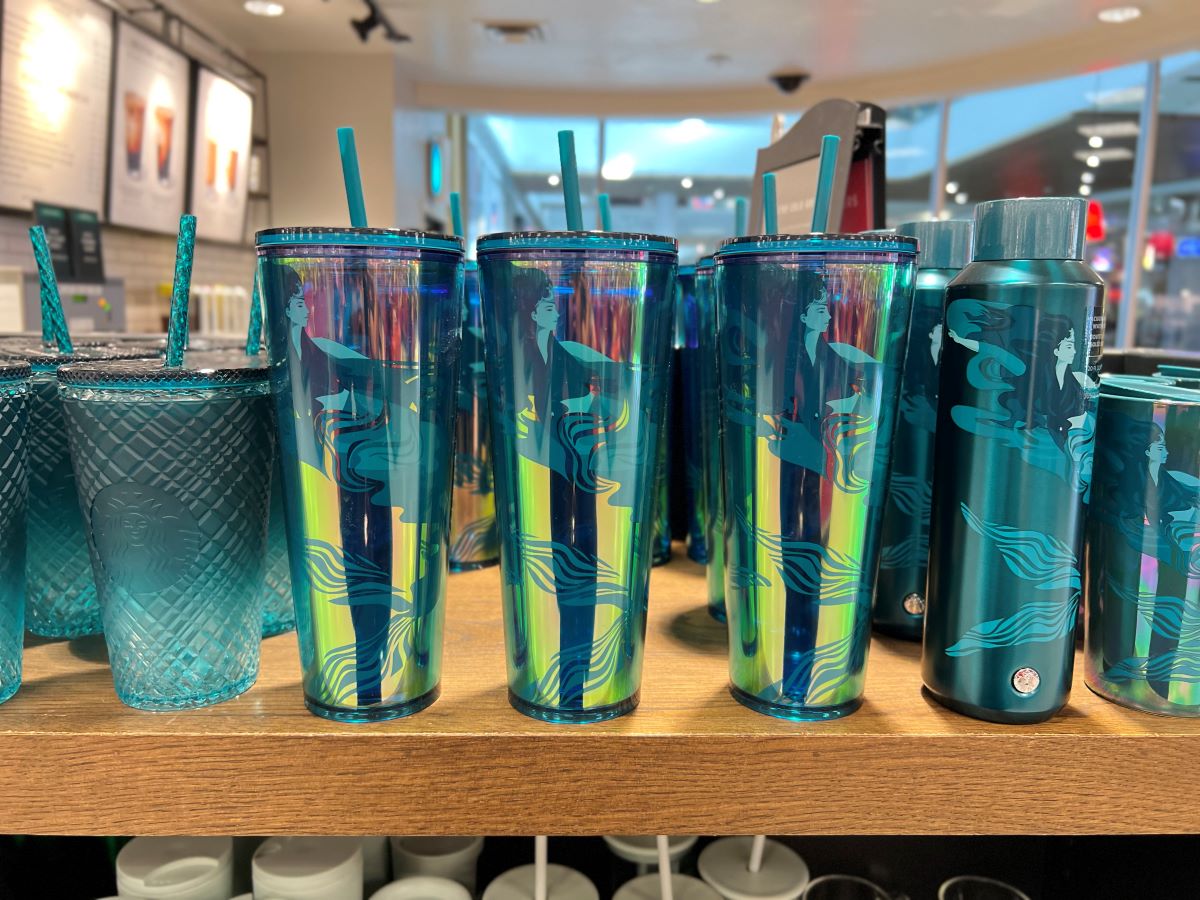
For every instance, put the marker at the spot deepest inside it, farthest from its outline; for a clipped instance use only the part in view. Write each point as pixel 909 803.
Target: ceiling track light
pixel 376 19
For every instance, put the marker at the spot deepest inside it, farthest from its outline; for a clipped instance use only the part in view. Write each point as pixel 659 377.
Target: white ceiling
pixel 656 55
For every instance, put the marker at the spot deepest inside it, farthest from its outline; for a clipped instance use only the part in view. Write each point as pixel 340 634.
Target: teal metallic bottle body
pixel 1015 432
pixel 903 561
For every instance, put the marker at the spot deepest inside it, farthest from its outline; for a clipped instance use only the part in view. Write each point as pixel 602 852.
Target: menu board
pixel 796 190
pixel 54 77
pixel 220 157
pixel 147 174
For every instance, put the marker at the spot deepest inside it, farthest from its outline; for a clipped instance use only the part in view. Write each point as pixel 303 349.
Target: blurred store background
pixel 670 101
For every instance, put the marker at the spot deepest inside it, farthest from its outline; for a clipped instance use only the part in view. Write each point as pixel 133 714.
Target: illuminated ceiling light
pixel 944 215
pixel 1119 15
pixel 719 194
pixel 951 187
pixel 686 183
pixel 960 198
pixel 266 8
pixel 1085 190
pixel 1122 128
pixel 1087 177
pixel 707 1
pixel 690 130
pixel 1095 142
pixel 619 168
pixel 1093 161
pixel 553 181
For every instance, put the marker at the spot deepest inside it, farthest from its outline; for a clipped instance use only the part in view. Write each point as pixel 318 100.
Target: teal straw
pixel 54 322
pixel 739 217
pixel 570 180
pixel 829 151
pixel 605 212
pixel 456 212
pixel 177 326
pixel 254 334
pixel 770 206
pixel 353 178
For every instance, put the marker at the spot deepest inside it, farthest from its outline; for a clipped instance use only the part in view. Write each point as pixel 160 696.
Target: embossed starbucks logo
pixel 146 538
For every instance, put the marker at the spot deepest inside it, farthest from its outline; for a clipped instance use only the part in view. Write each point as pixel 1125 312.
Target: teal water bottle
pixel 904 558
pixel 1013 461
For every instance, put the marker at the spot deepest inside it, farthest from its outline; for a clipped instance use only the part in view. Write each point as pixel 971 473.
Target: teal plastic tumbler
pixel 14 489
pixel 60 599
pixel 173 470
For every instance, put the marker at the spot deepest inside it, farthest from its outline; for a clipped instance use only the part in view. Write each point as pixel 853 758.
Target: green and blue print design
pixel 474 541
pixel 1017 417
pixel 904 557
pixel 690 360
pixel 364 348
pixel 577 353
pixel 712 480
pixel 810 363
pixel 1144 556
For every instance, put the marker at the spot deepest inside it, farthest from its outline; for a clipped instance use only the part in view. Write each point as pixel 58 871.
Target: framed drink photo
pixel 150 111
pixel 221 143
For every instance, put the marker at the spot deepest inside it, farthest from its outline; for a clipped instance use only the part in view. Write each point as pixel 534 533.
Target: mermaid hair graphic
pixel 1032 398
pixel 913 497
pixel 1167 617
pixel 808 568
pixel 1043 561
pixel 1178 666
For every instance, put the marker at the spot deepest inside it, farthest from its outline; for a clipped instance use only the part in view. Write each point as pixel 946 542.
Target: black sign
pixel 87 261
pixel 54 220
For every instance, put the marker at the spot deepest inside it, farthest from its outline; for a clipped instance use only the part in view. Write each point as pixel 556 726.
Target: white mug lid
pixel 168 865
pixel 308 862
pixel 422 887
pixel 725 864
pixel 562 883
pixel 649 887
pixel 643 848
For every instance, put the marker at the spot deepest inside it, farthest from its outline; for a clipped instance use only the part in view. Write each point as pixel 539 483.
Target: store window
pixel 681 177
pixel 1070 137
pixel 912 149
pixel 1168 302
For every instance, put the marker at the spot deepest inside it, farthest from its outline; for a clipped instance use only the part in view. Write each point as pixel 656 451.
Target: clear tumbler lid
pixel 199 371
pixel 43 358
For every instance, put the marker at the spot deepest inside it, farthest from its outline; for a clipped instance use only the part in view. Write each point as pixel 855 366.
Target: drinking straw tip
pixel 739 217
pixel 770 205
pixel 54 321
pixel 177 324
pixel 456 213
pixel 352 177
pixel 666 885
pixel 605 205
pixel 828 167
pixel 570 180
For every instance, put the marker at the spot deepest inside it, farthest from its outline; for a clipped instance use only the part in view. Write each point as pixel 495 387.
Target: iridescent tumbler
pixel 60 598
pixel 1143 548
pixel 172 468
pixel 364 328
pixel 14 491
pixel 813 333
pixel 712 480
pixel 687 355
pixel 578 344
pixel 473 539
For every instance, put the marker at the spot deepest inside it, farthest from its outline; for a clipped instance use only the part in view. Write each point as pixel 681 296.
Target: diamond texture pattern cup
pixel 173 473
pixel 278 614
pixel 14 487
pixel 60 596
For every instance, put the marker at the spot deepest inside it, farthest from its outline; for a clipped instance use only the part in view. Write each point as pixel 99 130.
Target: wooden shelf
pixel 689 760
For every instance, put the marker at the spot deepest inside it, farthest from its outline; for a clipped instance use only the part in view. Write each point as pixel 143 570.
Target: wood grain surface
pixel 690 759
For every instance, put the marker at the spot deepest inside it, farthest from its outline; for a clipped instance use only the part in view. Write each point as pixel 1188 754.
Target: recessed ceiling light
pixel 1087 177
pixel 719 194
pixel 1095 142
pixel 268 8
pixel 960 198
pixel 1118 15
pixel 619 168
pixel 951 187
pixel 707 1
pixel 553 181
pixel 1085 190
pixel 686 183
pixel 1093 161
